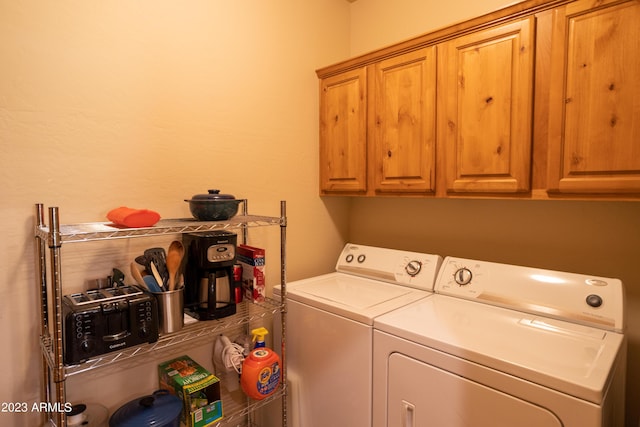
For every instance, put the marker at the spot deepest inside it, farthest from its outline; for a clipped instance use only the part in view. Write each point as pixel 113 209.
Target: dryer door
pixel 441 398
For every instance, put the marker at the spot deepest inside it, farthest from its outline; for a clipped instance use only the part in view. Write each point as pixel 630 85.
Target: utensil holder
pixel 171 310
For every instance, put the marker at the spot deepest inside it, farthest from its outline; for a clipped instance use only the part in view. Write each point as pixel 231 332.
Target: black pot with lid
pixel 213 206
pixel 161 409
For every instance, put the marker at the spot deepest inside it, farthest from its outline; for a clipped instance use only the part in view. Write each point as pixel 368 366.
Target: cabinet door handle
pixel 408 414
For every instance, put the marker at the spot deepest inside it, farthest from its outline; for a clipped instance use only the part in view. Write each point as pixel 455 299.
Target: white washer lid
pixel 570 358
pixel 353 297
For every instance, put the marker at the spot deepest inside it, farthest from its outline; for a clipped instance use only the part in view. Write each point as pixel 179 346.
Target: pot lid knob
pixel 147 401
pixel 215 195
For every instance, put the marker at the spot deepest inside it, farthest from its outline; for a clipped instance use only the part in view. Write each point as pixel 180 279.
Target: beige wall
pixel 146 103
pixel 600 238
pixel 143 104
pixel 378 23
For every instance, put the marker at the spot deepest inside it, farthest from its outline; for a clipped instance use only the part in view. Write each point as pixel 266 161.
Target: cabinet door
pixel 404 114
pixel 487 100
pixel 343 133
pixel 594 123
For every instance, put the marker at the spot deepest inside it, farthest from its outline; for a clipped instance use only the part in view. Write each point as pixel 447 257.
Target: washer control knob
pixel 413 268
pixel 463 276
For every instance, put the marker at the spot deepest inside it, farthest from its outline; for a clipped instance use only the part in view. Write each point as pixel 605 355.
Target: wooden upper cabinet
pixel 403 123
pixel 594 117
pixel 343 133
pixel 485 95
pixel 451 113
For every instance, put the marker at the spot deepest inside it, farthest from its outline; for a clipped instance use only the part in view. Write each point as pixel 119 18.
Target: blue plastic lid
pixel 161 409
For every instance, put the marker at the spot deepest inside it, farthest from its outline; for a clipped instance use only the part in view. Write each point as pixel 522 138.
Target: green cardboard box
pixel 198 389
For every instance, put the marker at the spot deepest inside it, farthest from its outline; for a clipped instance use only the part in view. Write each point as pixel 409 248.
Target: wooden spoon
pixel 174 258
pixel 137 276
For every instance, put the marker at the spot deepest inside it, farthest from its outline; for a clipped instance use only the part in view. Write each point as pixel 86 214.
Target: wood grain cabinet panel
pixel 594 120
pixel 343 133
pixel 485 92
pixel 403 132
pixel 453 113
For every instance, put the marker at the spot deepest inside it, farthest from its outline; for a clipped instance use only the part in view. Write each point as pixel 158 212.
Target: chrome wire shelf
pixel 86 232
pixel 49 240
pixel 246 312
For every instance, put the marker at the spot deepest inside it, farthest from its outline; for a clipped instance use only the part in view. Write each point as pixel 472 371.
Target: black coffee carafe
pixel 209 284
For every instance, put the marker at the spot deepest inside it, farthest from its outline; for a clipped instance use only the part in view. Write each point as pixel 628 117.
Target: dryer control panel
pixel 589 300
pixel 413 269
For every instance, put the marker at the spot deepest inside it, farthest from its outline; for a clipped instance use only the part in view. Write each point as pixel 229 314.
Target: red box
pixel 253 263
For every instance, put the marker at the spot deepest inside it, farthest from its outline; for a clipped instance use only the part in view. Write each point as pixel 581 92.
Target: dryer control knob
pixel 463 276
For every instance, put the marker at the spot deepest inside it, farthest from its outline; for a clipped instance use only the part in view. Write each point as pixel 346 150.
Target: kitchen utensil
pixel 157 256
pixel 175 254
pixel 161 409
pixel 130 217
pixel 117 278
pixel 137 275
pixel 213 206
pixel 151 283
pixel 156 275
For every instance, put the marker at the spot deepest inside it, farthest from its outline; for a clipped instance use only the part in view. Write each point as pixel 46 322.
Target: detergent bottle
pixel 261 369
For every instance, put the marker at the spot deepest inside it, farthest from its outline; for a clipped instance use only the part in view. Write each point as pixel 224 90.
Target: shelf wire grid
pixel 86 232
pixel 246 312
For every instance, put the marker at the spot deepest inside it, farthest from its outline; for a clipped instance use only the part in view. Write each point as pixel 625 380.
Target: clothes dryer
pixel 329 336
pixel 500 345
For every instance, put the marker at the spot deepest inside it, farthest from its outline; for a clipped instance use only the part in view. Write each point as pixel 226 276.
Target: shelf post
pixel 283 303
pixel 41 277
pixel 55 244
pixel 243 227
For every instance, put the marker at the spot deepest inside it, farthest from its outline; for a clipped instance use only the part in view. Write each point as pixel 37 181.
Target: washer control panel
pixel 591 300
pixel 413 269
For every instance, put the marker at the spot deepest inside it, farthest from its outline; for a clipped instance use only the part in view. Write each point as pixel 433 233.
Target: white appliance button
pixel 594 300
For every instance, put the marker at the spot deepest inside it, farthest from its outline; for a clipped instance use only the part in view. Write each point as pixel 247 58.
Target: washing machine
pixel 329 332
pixel 501 345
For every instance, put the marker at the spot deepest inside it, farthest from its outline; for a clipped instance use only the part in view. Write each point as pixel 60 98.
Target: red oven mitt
pixel 129 217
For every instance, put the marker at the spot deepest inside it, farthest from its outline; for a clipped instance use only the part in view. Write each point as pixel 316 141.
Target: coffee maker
pixel 208 272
